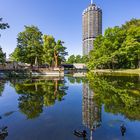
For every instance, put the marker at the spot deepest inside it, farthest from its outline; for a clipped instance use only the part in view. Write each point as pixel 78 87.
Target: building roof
pixel 92 7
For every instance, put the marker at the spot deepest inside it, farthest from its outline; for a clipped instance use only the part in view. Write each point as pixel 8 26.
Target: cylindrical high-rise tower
pixel 92 26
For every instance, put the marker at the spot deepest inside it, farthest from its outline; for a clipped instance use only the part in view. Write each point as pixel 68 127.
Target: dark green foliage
pixel 71 59
pixel 3 25
pixel 35 94
pixel 77 59
pixel 2 56
pixel 48 45
pixel 2 84
pixel 29 46
pixel 118 48
pixel 35 50
pixel 74 80
pixel 53 51
pixel 120 95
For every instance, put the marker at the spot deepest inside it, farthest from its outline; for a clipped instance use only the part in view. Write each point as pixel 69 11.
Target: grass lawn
pixel 119 71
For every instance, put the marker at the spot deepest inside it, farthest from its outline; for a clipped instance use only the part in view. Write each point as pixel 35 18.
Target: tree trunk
pixel 36 62
pixel 36 87
pixel 56 60
pixel 56 87
pixel 139 78
pixel 138 61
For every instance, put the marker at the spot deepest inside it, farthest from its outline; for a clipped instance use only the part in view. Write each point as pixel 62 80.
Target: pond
pixel 51 108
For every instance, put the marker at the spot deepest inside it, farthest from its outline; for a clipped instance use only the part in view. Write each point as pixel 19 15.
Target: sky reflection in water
pixel 51 108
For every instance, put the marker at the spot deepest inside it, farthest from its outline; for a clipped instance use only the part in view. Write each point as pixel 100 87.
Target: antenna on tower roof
pixel 91 1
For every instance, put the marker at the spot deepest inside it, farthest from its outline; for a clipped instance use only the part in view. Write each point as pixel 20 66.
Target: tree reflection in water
pixel 2 85
pixel 3 132
pixel 37 93
pixel 78 80
pixel 119 94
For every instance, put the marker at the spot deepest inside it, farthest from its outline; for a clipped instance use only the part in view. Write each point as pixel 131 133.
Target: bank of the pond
pixel 118 71
pixel 33 72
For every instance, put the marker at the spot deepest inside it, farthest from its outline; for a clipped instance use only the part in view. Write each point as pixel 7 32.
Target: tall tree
pixel 132 46
pixel 119 47
pixel 29 46
pixel 77 59
pixel 54 52
pixel 59 53
pixel 85 59
pixel 2 54
pixel 48 46
pixel 71 59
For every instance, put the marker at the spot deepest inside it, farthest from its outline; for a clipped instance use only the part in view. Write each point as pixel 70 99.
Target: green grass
pixel 119 71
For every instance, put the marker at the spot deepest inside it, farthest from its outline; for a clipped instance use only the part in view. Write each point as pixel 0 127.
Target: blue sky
pixel 60 18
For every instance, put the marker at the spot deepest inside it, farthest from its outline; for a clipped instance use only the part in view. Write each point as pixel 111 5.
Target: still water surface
pixel 52 108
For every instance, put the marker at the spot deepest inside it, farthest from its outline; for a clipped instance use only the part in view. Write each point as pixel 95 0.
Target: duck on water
pixel 80 133
pixel 3 132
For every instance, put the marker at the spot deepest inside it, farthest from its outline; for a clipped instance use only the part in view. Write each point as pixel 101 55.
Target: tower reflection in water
pixel 91 111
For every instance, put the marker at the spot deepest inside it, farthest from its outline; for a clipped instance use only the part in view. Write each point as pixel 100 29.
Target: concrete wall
pixel 79 66
pixel 10 66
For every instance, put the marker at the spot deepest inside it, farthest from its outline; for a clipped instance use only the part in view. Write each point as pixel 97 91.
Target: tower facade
pixel 91 26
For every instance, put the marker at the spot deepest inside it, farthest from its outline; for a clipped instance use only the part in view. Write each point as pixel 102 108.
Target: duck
pixel 3 133
pixel 80 133
pixel 4 128
pixel 123 129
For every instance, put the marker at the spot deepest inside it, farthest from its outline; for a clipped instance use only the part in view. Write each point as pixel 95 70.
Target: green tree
pixel 71 59
pixel 54 51
pixel 3 25
pixel 48 46
pixel 59 53
pixel 96 55
pixel 77 59
pixel 2 56
pixel 85 59
pixel 119 47
pixel 29 46
pixel 132 46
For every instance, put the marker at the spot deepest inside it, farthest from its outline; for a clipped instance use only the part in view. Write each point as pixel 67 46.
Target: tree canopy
pixel 3 25
pixel 29 46
pixel 2 54
pixel 119 47
pixel 35 49
pixel 53 51
pixel 77 59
